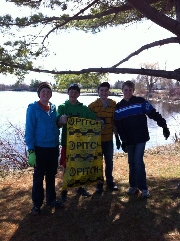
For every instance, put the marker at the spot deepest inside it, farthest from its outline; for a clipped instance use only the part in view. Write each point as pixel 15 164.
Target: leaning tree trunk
pixel 154 15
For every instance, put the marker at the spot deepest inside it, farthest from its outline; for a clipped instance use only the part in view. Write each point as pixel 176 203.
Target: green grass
pixel 114 216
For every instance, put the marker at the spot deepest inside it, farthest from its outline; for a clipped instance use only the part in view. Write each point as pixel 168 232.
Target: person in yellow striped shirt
pixel 104 108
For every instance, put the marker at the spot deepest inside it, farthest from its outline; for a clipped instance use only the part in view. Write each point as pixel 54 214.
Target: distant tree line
pixel 145 85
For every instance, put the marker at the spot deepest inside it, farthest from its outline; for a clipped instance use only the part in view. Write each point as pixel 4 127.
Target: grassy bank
pixel 114 216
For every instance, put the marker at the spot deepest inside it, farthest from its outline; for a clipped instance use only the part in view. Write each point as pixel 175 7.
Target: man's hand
pixel 124 146
pixel 63 119
pixel 118 142
pixel 166 132
pixel 102 123
pixel 32 158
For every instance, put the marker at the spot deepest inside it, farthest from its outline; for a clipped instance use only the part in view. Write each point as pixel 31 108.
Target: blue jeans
pixel 137 173
pixel 107 151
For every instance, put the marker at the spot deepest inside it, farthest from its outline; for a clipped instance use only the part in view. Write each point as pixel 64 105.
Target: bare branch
pixel 148 46
pixel 158 73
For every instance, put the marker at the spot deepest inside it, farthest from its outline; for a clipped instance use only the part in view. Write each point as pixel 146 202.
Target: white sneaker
pixel 145 193
pixel 132 190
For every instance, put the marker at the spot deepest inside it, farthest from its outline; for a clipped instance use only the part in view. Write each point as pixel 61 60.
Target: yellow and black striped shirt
pixel 105 113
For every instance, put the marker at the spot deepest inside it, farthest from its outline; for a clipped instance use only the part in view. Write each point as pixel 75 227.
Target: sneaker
pixel 82 191
pixel 99 188
pixel 35 211
pixel 112 186
pixel 132 190
pixel 63 196
pixel 55 204
pixel 145 193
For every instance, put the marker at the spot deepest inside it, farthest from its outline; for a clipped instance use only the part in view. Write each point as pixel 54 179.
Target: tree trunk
pixel 154 15
pixel 177 6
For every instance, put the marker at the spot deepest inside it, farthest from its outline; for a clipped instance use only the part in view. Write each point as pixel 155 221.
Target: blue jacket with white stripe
pixel 131 119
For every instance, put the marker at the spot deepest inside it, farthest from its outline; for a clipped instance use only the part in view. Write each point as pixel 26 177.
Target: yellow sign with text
pixel 84 162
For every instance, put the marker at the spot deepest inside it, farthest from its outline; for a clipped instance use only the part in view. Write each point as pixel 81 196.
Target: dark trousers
pixel 107 151
pixel 46 166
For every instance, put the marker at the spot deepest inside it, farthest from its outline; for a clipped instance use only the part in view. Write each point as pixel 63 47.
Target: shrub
pixel 13 149
pixel 175 92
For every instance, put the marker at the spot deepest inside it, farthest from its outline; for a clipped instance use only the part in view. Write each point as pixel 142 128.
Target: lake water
pixel 13 107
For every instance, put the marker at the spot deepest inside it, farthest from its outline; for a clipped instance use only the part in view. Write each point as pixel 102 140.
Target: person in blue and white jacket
pixel 131 122
pixel 42 140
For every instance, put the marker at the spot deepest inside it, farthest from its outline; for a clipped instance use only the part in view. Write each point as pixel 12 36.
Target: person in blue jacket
pixel 131 122
pixel 42 140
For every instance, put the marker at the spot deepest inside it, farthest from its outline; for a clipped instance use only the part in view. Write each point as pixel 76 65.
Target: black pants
pixel 46 166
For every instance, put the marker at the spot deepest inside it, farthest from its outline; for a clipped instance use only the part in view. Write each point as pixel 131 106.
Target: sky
pixel 76 50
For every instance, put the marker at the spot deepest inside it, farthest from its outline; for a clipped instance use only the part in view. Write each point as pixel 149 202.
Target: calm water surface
pixel 13 107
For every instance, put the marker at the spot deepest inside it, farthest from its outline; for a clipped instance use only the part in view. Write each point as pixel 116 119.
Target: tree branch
pixel 154 15
pixel 70 19
pixel 177 7
pixel 150 72
pixel 148 46
pixel 46 20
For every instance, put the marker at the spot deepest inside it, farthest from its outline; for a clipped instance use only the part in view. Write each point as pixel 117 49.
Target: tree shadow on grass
pixel 112 216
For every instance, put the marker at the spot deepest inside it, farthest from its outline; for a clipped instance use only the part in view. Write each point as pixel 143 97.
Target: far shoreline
pixel 154 97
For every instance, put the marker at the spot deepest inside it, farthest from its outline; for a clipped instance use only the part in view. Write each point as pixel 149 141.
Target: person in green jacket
pixel 71 108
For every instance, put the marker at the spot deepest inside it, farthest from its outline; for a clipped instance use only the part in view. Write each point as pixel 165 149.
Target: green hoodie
pixel 77 110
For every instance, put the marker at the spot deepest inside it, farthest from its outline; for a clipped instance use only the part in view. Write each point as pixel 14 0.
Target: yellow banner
pixel 84 162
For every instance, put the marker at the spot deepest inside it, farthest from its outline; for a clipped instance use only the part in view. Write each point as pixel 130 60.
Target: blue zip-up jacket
pixel 131 119
pixel 41 129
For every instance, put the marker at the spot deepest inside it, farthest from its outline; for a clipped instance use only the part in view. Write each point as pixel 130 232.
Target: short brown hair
pixel 104 84
pixel 129 83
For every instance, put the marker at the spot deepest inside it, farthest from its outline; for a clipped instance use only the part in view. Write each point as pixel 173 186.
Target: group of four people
pixel 126 119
